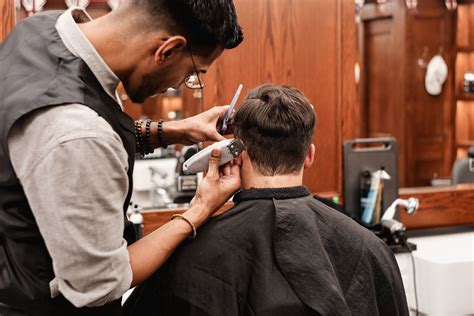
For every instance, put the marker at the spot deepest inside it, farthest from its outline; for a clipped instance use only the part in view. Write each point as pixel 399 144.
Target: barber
pixel 67 148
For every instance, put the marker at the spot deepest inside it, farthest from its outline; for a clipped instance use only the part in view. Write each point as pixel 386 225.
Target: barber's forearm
pixel 150 252
pixel 173 133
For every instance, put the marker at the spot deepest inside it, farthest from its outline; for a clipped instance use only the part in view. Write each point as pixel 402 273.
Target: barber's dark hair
pixel 206 23
pixel 276 125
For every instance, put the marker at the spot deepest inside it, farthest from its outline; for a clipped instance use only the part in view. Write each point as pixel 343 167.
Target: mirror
pixel 401 48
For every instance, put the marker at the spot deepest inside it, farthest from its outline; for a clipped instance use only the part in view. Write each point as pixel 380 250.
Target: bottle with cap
pixel 137 219
pixel 469 82
pixel 129 210
pixel 364 188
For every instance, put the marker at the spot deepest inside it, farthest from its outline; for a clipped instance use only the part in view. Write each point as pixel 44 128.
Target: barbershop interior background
pixel 397 73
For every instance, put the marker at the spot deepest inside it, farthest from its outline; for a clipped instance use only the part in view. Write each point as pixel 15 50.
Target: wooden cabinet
pixel 396 44
pixel 7 18
pixel 464 103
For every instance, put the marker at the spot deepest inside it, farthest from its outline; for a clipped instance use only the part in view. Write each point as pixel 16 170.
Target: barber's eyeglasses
pixel 193 81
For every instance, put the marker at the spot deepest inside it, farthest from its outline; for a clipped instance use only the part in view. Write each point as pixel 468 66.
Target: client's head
pixel 276 125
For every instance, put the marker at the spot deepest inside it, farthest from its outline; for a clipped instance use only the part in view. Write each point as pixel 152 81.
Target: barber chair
pixel 463 169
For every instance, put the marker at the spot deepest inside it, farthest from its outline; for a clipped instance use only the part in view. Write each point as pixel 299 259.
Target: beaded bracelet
pixel 187 221
pixel 139 137
pixel 137 143
pixel 160 134
pixel 148 147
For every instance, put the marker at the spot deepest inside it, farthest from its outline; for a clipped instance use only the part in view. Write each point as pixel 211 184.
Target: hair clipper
pixel 230 149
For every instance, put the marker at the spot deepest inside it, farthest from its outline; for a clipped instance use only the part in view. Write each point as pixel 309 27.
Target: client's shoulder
pixel 335 219
pixel 224 248
pixel 341 228
pixel 230 234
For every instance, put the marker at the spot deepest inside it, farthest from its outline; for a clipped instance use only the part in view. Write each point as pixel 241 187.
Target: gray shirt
pixel 73 169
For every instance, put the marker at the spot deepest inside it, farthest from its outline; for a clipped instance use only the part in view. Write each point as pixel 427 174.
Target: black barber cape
pixel 276 252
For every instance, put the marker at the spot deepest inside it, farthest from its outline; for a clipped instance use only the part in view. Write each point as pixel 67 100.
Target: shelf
pixel 465 49
pixel 464 97
pixel 465 143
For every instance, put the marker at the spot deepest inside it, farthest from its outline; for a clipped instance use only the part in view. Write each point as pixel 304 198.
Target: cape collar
pixel 271 193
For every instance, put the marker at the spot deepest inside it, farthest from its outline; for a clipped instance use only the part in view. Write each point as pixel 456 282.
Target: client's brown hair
pixel 276 124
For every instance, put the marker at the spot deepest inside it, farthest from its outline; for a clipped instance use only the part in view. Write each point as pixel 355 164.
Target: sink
pixel 444 266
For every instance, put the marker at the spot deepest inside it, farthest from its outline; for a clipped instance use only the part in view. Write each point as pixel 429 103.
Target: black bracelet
pixel 137 143
pixel 148 147
pixel 160 134
pixel 139 137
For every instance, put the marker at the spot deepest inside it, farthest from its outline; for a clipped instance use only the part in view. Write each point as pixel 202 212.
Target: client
pixel 278 251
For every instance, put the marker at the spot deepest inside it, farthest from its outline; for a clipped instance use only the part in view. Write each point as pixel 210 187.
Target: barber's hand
pixel 218 185
pixel 199 128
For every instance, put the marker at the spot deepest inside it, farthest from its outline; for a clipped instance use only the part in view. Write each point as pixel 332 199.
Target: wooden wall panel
pixel 350 111
pixel 464 63
pixel 383 74
pixel 429 125
pixel 294 42
pixel 7 18
pixel 429 119
pixel 465 34
pixel 380 112
pixel 465 122
pixel 464 127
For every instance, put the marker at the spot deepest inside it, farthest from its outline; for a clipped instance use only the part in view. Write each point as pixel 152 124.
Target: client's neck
pixel 253 179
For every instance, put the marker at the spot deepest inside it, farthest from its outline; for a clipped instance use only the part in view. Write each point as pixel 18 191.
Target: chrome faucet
pixel 388 221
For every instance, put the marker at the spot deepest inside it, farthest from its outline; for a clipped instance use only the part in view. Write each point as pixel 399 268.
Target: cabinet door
pixel 429 119
pixel 382 55
pixel 397 46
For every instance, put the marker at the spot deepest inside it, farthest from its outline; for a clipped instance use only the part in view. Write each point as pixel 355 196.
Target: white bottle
pixel 129 210
pixel 137 219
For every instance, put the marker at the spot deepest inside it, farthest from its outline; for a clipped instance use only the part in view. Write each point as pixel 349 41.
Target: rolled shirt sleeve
pixel 76 183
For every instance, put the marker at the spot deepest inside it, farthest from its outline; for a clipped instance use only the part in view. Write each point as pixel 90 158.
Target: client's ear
pixel 308 162
pixel 244 156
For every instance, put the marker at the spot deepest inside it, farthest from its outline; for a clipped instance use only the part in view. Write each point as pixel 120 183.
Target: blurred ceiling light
pixel 32 6
pixel 451 4
pixel 359 4
pixel 77 3
pixel 411 4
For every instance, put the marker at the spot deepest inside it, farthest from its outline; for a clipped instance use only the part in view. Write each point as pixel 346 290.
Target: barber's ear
pixel 308 162
pixel 170 48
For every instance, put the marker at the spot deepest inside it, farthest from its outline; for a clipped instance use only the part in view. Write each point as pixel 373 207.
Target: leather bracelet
pixel 187 221
pixel 160 134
